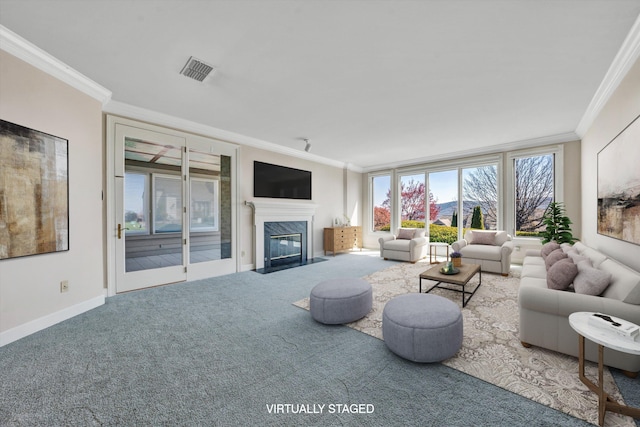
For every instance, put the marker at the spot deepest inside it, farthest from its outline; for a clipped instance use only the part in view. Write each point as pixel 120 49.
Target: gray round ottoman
pixel 422 327
pixel 338 301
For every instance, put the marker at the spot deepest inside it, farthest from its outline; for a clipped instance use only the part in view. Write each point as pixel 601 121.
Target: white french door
pixel 173 210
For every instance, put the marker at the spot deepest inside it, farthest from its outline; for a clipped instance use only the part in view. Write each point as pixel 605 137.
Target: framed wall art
pixel 619 186
pixel 34 192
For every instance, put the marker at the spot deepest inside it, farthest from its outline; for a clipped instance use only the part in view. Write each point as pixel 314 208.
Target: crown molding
pixel 509 146
pixel 12 43
pixel 625 58
pixel 150 116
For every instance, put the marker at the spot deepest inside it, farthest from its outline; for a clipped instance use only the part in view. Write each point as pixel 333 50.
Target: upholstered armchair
pixel 408 244
pixel 491 249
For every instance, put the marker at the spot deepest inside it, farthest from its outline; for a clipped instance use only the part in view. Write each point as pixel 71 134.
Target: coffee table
pixel 580 323
pixel 467 271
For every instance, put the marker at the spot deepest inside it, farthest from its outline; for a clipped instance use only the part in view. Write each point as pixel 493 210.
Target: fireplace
pixel 282 218
pixel 285 243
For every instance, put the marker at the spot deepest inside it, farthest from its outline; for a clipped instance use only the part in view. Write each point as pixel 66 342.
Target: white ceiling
pixel 370 83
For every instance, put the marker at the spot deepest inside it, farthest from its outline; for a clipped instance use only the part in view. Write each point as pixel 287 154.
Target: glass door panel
pixel 204 204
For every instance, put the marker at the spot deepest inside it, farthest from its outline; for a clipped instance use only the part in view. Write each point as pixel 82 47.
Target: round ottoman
pixel 339 301
pixel 422 327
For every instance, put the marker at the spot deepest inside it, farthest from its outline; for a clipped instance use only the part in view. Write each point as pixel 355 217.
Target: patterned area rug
pixel 491 348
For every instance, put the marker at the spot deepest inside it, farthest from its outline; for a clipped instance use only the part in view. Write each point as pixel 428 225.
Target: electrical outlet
pixel 64 286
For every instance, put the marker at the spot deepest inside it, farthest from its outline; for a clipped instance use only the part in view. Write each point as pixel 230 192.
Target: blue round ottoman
pixel 338 301
pixel 422 327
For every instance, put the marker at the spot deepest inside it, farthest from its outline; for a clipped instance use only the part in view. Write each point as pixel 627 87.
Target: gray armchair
pixel 408 244
pixel 491 249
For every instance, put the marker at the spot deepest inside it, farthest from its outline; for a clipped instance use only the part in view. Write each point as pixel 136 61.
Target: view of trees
pixel 534 191
pixel 412 202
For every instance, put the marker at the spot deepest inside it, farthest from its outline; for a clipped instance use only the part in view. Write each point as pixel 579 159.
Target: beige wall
pixel 30 286
pixel 327 186
pixel 618 112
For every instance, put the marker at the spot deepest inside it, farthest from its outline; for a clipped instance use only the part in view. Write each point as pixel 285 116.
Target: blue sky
pixel 444 186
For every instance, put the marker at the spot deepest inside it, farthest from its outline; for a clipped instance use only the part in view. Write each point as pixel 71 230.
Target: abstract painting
pixel 619 186
pixel 34 192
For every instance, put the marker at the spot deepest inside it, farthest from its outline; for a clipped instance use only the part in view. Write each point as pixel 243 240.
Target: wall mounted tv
pixel 280 182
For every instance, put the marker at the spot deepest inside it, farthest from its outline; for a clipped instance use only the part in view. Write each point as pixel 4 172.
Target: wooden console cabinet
pixel 337 239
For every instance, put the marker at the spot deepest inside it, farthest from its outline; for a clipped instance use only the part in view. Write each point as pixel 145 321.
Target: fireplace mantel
pixel 279 210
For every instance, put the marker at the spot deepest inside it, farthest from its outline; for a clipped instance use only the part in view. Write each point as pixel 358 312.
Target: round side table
pixel 580 323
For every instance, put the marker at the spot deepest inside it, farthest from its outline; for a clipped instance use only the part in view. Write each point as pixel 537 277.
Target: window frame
pixel 557 151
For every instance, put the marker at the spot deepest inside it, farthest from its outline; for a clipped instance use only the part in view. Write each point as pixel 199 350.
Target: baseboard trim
pixel 44 322
pixel 247 267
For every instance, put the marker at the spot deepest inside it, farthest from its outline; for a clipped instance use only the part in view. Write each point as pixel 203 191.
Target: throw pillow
pixel 406 233
pixel 590 281
pixel 561 274
pixel 483 237
pixel 554 257
pixel 547 248
pixel 576 258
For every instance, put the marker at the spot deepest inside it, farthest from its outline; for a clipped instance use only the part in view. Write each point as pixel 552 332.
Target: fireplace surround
pixel 280 218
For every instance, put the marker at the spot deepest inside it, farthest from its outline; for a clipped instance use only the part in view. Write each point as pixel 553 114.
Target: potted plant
pixel 456 258
pixel 558 225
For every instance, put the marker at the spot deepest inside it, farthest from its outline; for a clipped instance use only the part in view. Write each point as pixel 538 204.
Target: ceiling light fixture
pixel 307 146
pixel 196 69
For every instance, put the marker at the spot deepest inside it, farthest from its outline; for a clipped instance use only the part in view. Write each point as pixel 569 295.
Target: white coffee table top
pixel 580 323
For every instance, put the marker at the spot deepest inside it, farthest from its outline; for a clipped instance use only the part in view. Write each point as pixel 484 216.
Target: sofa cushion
pixel 406 233
pixel 590 281
pixel 483 238
pixel 420 232
pixel 561 274
pixel 488 252
pixel 554 257
pixel 397 245
pixel 534 270
pixel 625 283
pixel 547 248
pixel 501 238
pixel 596 257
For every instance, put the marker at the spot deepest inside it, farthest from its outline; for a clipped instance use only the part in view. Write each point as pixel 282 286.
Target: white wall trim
pixel 20 48
pixel 41 323
pixel 625 58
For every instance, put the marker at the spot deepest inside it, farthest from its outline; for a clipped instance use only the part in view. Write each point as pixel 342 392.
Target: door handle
pixel 120 228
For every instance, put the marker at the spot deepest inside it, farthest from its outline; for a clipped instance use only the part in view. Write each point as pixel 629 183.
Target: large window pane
pixel 167 203
pixel 480 194
pixel 381 189
pixel 443 206
pixel 136 206
pixel 204 205
pixel 412 200
pixel 534 191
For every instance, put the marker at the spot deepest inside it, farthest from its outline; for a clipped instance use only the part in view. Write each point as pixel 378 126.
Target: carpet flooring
pixel 234 351
pixel 491 347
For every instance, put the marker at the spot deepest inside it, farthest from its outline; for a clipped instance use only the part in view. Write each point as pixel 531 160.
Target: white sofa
pixel 491 249
pixel 544 311
pixel 408 244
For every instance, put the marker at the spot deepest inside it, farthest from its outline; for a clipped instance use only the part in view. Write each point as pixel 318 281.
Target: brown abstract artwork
pixel 34 192
pixel 619 186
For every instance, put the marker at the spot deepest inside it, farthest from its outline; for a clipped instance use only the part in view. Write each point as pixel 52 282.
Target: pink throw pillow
pixel 554 257
pixel 561 274
pixel 483 237
pixel 406 233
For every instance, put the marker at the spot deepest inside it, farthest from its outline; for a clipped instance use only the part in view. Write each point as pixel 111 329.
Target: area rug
pixel 491 348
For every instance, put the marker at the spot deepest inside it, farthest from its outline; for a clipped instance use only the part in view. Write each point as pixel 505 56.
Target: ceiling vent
pixel 196 69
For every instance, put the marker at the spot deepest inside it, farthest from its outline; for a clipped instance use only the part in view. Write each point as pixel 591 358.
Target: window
pixel 136 205
pixel 381 196
pixel 443 206
pixel 167 204
pixel 480 197
pixel 412 200
pixel 534 190
pixel 204 205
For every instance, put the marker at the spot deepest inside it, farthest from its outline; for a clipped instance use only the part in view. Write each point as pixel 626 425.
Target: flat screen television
pixel 280 182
